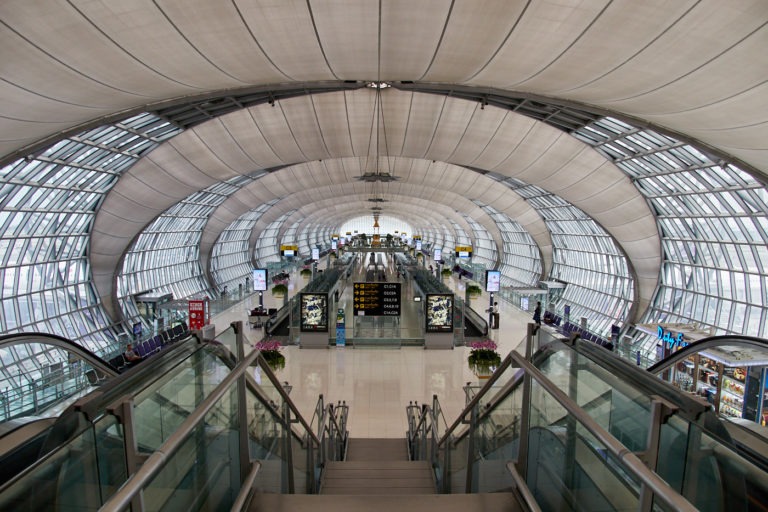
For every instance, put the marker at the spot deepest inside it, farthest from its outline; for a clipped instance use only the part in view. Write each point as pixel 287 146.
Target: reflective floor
pixel 378 383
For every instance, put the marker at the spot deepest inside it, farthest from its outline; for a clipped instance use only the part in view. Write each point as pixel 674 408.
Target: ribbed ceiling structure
pixel 142 110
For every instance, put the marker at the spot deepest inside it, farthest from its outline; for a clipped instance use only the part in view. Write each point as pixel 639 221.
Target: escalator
pixel 193 416
pixel 588 431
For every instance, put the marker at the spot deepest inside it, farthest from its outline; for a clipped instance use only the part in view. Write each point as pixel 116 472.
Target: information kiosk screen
pixel 260 280
pixel 438 254
pixel 315 253
pixel 492 280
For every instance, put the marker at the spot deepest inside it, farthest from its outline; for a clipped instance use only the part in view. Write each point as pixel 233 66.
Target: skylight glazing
pixel 713 223
pixel 47 206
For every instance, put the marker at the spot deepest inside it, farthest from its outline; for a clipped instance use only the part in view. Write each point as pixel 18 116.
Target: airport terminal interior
pixel 383 254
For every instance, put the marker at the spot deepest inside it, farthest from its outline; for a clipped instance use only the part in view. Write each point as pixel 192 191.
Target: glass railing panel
pixel 569 469
pixel 204 473
pixel 67 480
pixel 162 407
pixel 303 464
pixel 719 479
pixel 608 399
pixel 266 442
pixel 110 455
pixel 496 441
pixel 228 339
pixel 457 466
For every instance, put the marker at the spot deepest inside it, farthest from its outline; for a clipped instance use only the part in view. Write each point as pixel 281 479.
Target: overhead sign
pixel 463 248
pixel 376 299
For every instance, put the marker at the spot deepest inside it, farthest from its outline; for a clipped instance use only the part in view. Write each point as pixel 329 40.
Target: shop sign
pixel 196 314
pixel 670 339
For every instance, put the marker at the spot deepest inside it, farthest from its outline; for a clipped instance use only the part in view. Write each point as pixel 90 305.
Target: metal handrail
pixel 655 483
pixel 273 379
pixel 522 487
pixel 245 490
pixel 471 405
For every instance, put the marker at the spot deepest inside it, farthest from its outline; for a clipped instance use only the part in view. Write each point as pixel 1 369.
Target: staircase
pixel 378 466
pixel 378 477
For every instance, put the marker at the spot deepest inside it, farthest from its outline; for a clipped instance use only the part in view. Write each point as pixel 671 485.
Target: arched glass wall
pixel 230 257
pixel 166 255
pixel 600 287
pixel 713 221
pixel 387 224
pixel 290 237
pixel 449 242
pixel 520 259
pixel 47 206
pixel 484 249
pixel 267 248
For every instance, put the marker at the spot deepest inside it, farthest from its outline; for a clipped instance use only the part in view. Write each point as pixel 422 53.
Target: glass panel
pixel 110 454
pixel 204 473
pixel 68 480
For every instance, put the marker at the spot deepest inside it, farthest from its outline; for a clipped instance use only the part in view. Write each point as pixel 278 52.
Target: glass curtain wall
pixel 231 255
pixel 712 218
pixel 290 238
pixel 600 287
pixel 47 205
pixel 484 250
pixel 520 259
pixel 267 248
pixel 166 255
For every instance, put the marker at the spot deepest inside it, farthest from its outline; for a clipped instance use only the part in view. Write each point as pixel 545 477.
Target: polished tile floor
pixel 378 383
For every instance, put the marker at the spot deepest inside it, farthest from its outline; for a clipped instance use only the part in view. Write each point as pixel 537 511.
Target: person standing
pixel 495 315
pixel 537 317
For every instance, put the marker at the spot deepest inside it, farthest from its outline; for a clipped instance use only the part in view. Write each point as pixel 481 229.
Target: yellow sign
pixel 289 247
pixel 460 248
pixel 417 237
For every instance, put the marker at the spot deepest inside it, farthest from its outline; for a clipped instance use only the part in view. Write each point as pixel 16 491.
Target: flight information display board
pixel 377 299
pixel 314 312
pixel 439 312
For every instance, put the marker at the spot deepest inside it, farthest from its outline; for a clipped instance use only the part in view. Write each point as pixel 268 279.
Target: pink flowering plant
pixel 483 356
pixel 270 351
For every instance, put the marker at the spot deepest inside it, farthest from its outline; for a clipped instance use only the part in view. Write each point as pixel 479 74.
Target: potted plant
pixel 474 291
pixel 279 290
pixel 270 351
pixel 306 273
pixel 446 273
pixel 483 358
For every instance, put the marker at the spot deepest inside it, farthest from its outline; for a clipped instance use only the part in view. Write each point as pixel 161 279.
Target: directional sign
pixel 376 299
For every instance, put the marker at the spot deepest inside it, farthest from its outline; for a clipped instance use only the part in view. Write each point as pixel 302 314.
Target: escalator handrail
pixel 655 483
pixel 703 344
pixel 97 362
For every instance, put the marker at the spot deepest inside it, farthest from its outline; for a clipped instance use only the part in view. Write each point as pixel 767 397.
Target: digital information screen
pixel 259 279
pixel 438 254
pixel 287 253
pixel 524 303
pixel 315 253
pixel 418 245
pixel 137 329
pixel 377 299
pixel 439 312
pixel 463 254
pixel 314 312
pixel 334 245
pixel 492 280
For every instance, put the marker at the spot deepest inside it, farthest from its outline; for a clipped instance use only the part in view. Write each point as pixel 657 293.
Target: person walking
pixel 537 317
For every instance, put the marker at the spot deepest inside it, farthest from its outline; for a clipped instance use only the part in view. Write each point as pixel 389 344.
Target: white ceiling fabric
pixel 332 134
pixel 656 60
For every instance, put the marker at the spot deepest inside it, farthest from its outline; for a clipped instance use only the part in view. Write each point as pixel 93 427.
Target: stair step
pixel 390 483
pixel 379 502
pixel 380 464
pixel 377 449
pixel 380 474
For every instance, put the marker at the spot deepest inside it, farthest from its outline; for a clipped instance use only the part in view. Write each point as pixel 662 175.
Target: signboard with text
pixel 259 279
pixel 376 299
pixel 196 314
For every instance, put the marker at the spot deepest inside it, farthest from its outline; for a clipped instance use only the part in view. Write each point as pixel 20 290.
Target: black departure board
pixel 377 299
